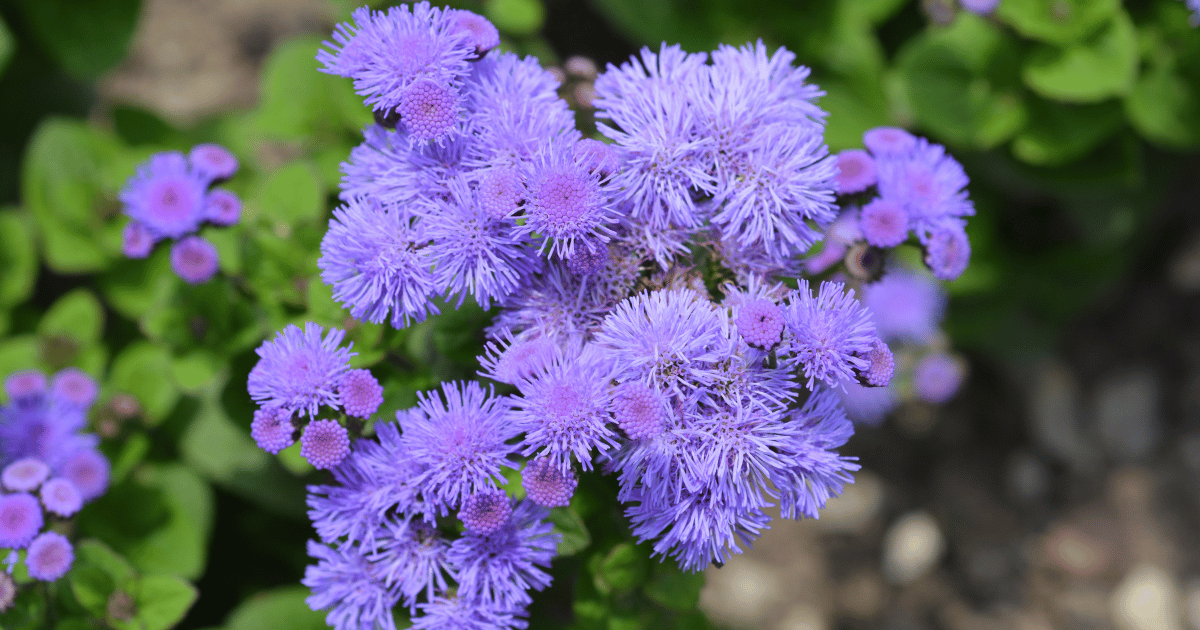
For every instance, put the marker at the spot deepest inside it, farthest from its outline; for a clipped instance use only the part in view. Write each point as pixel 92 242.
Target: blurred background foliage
pixel 1077 121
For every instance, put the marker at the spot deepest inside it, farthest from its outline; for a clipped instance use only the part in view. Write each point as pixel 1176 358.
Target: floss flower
pixel 299 370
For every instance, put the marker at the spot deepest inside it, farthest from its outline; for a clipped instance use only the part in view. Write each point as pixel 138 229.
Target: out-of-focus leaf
pixel 623 568
pixel 516 17
pixel 91 587
pixel 575 535
pixel 78 315
pixel 180 546
pixel 673 588
pixel 143 371
pixel 19 353
pixel 298 101
pixel 1058 133
pixel 1100 67
pixel 851 113
pixel 7 45
pixel 961 82
pixel 288 195
pixel 18 258
pixel 86 37
pixel 162 601
pixel 278 608
pixel 136 288
pixel 28 612
pixel 1057 21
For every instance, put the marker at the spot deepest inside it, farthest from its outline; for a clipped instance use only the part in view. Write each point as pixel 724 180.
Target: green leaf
pixel 86 37
pixel 74 624
pixel 7 45
pixel 288 195
pixel 1058 133
pixel 1057 21
pixel 142 370
pixel 624 568
pixel 195 370
pixel 1098 68
pixel 27 613
pixel 137 288
pixel 94 553
pixel 674 588
pixel 91 587
pixel 219 448
pixel 162 601
pixel 179 547
pixel 961 84
pixel 851 112
pixel 19 353
pixel 299 102
pixel 575 535
pixel 516 17
pixel 18 258
pixel 1164 104
pixel 277 608
pixel 78 315
pixel 133 451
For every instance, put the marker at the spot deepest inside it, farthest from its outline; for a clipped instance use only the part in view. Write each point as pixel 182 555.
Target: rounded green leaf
pixel 86 37
pixel 1057 21
pixel 674 588
pixel 18 258
pixel 143 370
pixel 1058 133
pixel 178 547
pixel 575 535
pixel 624 568
pixel 7 45
pixel 517 17
pixel 1164 106
pixel 78 315
pixel 278 608
pixel 1092 70
pixel 291 194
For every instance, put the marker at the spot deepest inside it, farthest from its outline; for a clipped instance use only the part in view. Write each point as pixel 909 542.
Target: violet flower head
pixel 639 410
pixel 596 156
pixel 410 556
pixel 61 497
pixel 856 171
pixel 500 191
pixel 222 207
pixel 830 332
pixel 347 584
pixel 937 377
pixel 272 429
pixel 299 370
pixel 324 443
pixel 889 141
pixel 25 475
pixel 20 519
pixel 546 484
pixel 566 203
pixel 374 259
pixel 194 259
pixel 815 472
pixel 136 240
pixel 590 258
pixel 442 613
pixel 867 405
pixel 360 393
pixel 429 109
pixel 521 359
pixel 88 469
pixel 386 52
pixel 986 7
pixel 481 33
pixel 460 439
pixel 74 388
pixel 485 512
pixel 882 366
pixel 884 223
pixel 929 184
pixel 905 306
pixel 49 556
pixel 948 251
pixel 213 162
pixel 502 567
pixel 165 196
pixel 564 413
pixel 760 323
pixel 26 384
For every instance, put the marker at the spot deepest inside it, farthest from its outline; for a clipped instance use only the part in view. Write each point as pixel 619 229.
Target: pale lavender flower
pixel 20 519
pixel 502 567
pixel 830 331
pixel 353 590
pixel 165 196
pixel 547 485
pixel 194 259
pixel 299 370
pixel 49 556
pixel 856 171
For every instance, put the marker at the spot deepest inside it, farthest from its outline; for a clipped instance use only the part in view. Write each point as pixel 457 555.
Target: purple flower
pixel 546 484
pixel 26 384
pixel 889 141
pixel 830 332
pixel 441 613
pixel 519 359
pixel 565 203
pixel 502 567
pixel 564 412
pixel 500 191
pixel 73 388
pixel 194 260
pixel 324 443
pixel 486 511
pixel 345 582
pixel 165 196
pixel 49 557
pixel 212 162
pixel 37 426
pixel 460 439
pixel 596 156
pixel 480 31
pixel 985 7
pixel 375 258
pixel 474 253
pixel 868 405
pixel 881 366
pixel 136 240
pixel 928 184
pixel 815 472
pixel 25 475
pixel 856 171
pixel 937 377
pixel 666 339
pixel 515 111
pixel 61 497
pixel 884 223
pixel 385 53
pixel 88 470
pixel 299 370
pixel 272 429
pixel 222 207
pixel 8 592
pixel 760 323
pixel 20 519
pixel 411 557
pixel 639 410
pixel 429 110
pixel 948 251
pixel 905 306
pixel 360 393
pixel 589 258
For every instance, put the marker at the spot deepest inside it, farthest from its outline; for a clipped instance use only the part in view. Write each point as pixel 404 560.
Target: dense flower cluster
pixel 171 196
pixel 48 469
pixel 648 324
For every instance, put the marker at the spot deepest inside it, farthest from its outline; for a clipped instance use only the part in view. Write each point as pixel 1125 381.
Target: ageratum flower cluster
pixel 652 321
pixel 171 196
pixel 48 470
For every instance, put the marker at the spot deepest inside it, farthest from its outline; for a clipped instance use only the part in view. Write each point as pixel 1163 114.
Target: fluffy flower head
pixel 165 196
pixel 299 370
